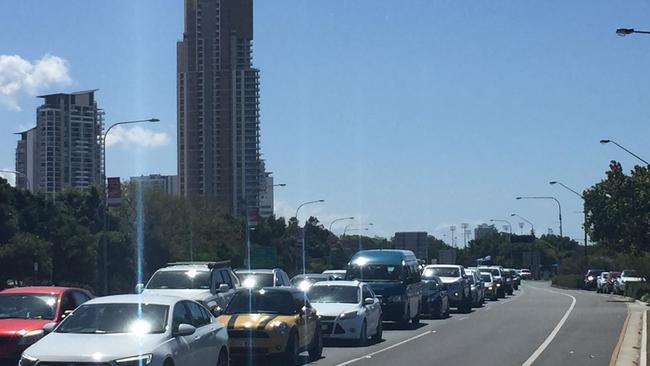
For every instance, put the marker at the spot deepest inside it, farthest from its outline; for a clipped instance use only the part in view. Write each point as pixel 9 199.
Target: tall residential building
pixel 218 104
pixel 164 183
pixel 266 195
pixel 64 149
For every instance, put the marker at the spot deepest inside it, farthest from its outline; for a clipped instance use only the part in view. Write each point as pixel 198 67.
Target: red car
pixel 25 310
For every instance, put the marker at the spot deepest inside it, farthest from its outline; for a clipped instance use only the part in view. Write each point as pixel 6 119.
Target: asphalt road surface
pixel 538 325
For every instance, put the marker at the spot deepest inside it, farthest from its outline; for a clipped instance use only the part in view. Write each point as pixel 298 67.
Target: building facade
pixel 164 183
pixel 218 105
pixel 484 230
pixel 64 149
pixel 266 195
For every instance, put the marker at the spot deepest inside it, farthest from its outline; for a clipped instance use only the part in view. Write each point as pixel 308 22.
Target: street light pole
pixel 304 233
pixel 559 206
pixel 626 150
pixel 532 227
pixel 622 32
pixel 17 173
pixel 584 211
pixel 340 219
pixel 105 211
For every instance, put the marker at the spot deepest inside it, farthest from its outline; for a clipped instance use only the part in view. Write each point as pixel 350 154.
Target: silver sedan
pixel 129 330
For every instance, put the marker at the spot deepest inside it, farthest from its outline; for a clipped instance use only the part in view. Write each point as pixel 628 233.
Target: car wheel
pixel 363 335
pixel 316 347
pixel 406 317
pixel 223 359
pixel 379 333
pixel 441 311
pixel 291 355
pixel 466 307
pixel 168 362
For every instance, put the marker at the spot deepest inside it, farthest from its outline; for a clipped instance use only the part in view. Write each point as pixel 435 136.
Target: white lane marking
pixel 643 361
pixel 557 328
pixel 463 318
pixel 385 349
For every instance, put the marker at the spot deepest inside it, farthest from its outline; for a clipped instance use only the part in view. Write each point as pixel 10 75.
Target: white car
pixel 127 330
pixel 347 310
pixel 338 274
pixel 629 275
pixel 601 280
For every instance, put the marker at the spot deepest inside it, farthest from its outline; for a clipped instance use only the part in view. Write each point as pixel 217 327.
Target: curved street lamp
pixel 623 148
pixel 532 227
pixel 622 32
pixel 340 219
pixel 105 213
pixel 304 254
pixel 584 210
pixel 17 173
pixel 559 206
pixel 506 221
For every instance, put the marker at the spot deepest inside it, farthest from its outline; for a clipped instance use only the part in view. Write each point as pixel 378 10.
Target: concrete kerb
pixel 628 350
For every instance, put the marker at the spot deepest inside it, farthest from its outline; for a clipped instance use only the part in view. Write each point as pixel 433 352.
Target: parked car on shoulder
pixel 347 310
pixel 272 321
pixel 601 281
pixel 25 310
pixel 134 330
pixel 338 274
pixel 628 276
pixel 591 276
pixel 393 275
pixel 489 285
pixel 435 301
pixel 305 281
pixel 457 284
pixel 258 278
pixel 212 284
pixel 526 274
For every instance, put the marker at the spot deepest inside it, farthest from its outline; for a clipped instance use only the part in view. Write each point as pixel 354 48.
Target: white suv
pixel 212 284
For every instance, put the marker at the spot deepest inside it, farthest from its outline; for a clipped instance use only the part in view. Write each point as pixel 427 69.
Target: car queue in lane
pixel 259 313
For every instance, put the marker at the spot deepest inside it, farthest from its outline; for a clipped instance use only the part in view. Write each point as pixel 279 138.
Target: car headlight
pixel 590 278
pixel 31 337
pixel 135 360
pixel 396 298
pixel 498 285
pixel 490 288
pixel 280 328
pixel 348 315
pixel 27 360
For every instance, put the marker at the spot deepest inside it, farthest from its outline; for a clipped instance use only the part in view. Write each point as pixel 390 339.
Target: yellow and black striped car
pixel 272 321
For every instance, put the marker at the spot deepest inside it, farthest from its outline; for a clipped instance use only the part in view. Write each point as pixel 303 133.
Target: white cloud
pixel 136 136
pixel 11 177
pixel 22 77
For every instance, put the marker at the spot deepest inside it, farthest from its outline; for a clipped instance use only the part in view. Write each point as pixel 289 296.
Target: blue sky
pixel 412 115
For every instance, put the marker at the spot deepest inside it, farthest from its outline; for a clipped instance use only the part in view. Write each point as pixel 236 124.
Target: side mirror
pixel 49 327
pixel 223 288
pixel 216 311
pixel 139 288
pixel 184 330
pixel 66 313
pixel 305 311
pixel 369 301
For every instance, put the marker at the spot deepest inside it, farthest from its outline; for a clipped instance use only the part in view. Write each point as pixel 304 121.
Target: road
pixel 511 331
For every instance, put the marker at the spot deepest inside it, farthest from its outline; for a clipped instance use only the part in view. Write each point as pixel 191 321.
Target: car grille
pixel 328 318
pixel 243 333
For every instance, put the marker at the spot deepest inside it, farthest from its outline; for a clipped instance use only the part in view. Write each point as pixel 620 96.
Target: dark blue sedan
pixel 435 301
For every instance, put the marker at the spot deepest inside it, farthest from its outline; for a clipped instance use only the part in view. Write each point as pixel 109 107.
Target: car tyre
pixel 447 311
pixel 291 355
pixel 223 359
pixel 404 322
pixel 315 349
pixel 379 333
pixel 363 335
pixel 466 305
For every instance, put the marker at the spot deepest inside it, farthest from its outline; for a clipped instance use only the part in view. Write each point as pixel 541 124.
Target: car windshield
pixel 180 280
pixel 267 302
pixel 445 271
pixel 334 294
pixel 28 306
pixel 630 273
pixel 256 280
pixel 116 318
pixel 375 272
pixel 486 278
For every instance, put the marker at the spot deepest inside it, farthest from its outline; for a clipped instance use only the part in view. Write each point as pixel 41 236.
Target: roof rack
pixel 211 265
